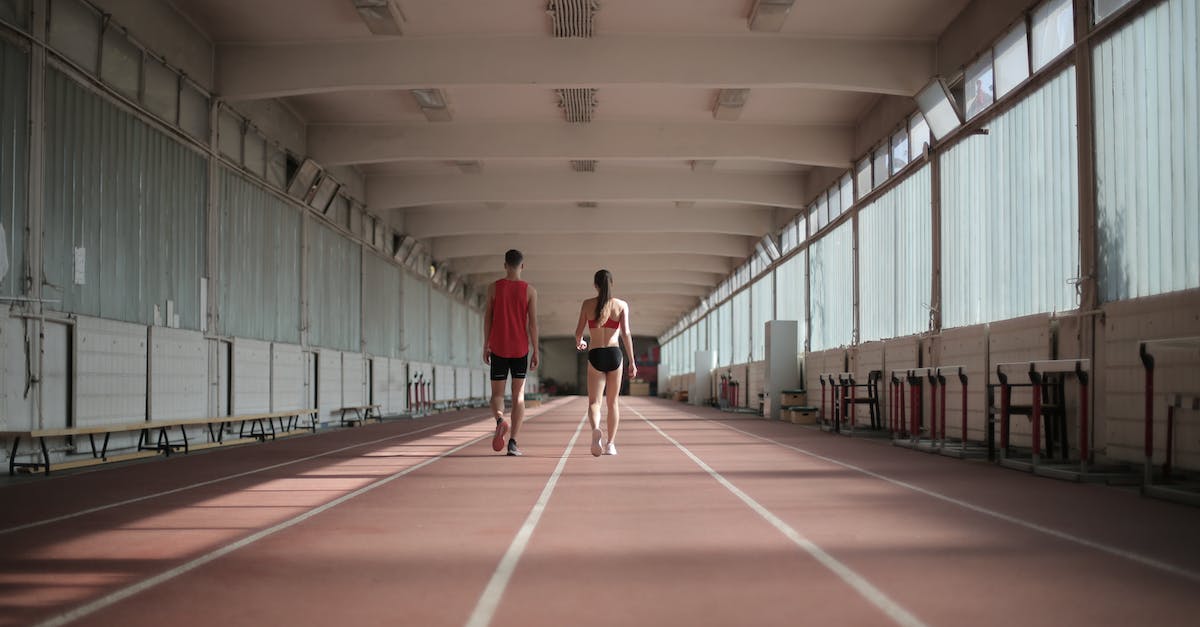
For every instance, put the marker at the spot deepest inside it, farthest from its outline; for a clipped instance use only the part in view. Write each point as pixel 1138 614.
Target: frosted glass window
pixel 15 12
pixel 939 110
pixel 899 150
pixel 1053 31
pixel 1012 60
pixel 832 277
pixel 835 201
pixel 813 210
pixel 725 334
pixel 979 89
pixel 918 136
pixel 193 112
pixel 1104 8
pixel 812 222
pixel 741 328
pixel 801 229
pixel 880 166
pixel 788 237
pixel 256 153
pixel 762 310
pixel 862 176
pixel 790 295
pixel 823 208
pixel 75 32
pixel 276 167
pixel 229 135
pixel 847 186
pixel 121 63
pixel 161 93
pixel 894 279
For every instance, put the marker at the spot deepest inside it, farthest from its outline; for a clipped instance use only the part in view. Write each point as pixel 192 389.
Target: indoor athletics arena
pixel 903 325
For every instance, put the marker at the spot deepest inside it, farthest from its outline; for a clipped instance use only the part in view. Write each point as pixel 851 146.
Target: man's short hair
pixel 513 258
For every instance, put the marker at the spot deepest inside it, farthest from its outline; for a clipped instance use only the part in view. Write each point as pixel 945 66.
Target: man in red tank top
pixel 509 330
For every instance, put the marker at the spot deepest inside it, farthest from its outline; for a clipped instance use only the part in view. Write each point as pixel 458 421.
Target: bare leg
pixel 498 399
pixel 612 389
pixel 518 408
pixel 595 384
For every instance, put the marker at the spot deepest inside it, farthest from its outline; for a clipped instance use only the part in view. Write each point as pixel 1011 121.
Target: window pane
pixel 1105 8
pixel 847 191
pixel 229 135
pixel 818 217
pixel 1053 31
pixel 15 12
pixel 1012 60
pixel 835 201
pixel 75 32
pixel 193 112
pixel 881 165
pixel 979 88
pixel 899 151
pixel 918 136
pixel 121 63
pixel 862 176
pixel 939 110
pixel 801 229
pixel 823 207
pixel 161 95
pixel 276 167
pixel 787 239
pixel 256 153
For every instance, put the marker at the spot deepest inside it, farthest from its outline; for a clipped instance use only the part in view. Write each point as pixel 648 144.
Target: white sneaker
pixel 611 450
pixel 597 442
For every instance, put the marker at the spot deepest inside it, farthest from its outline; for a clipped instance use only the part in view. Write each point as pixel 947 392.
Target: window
pixel 847 191
pixel 229 135
pixel 820 216
pixel 1012 59
pixel 823 208
pixel 862 176
pixel 978 88
pixel 881 164
pixel 1053 31
pixel 918 136
pixel 801 229
pixel 937 105
pixel 193 111
pixel 787 238
pixel 899 150
pixel 75 32
pixel 1104 8
pixel 835 201
pixel 121 63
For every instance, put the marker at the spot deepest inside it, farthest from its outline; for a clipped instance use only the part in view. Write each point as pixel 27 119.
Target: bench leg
pixel 12 457
pixel 45 455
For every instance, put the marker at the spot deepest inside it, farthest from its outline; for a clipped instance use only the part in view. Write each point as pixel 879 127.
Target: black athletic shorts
pixel 605 359
pixel 501 366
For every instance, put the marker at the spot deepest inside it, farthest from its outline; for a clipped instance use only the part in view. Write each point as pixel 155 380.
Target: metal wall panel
pixel 462 383
pixel 334 289
pixel 178 374
pixel 354 379
pixel 895 262
pixel 260 262
pixel 133 199
pixel 458 339
pixel 16 409
pixel 378 391
pixel 415 330
pixel 1010 219
pixel 287 377
pixel 1147 83
pixel 381 306
pixel 443 382
pixel 397 386
pixel 439 326
pixel 251 377
pixel 329 385
pixel 110 372
pixel 832 277
pixel 14 158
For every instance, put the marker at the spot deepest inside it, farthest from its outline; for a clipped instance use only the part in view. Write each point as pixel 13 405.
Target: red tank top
pixel 510 319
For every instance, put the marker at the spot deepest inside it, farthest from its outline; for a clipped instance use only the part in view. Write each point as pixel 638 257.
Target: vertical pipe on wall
pixel 36 207
pixel 935 249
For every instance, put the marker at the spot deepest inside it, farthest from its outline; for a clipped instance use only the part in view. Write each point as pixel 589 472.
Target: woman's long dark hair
pixel 603 282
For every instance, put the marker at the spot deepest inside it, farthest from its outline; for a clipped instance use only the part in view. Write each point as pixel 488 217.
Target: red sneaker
pixel 499 438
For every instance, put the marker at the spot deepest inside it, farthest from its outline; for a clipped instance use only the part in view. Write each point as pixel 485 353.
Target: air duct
pixel 572 18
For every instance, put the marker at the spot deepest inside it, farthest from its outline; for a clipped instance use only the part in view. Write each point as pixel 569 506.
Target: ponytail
pixel 603 282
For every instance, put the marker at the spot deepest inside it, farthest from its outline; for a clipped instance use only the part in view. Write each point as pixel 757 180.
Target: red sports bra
pixel 608 324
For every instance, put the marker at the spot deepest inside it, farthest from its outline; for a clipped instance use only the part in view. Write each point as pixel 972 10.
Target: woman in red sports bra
pixel 607 318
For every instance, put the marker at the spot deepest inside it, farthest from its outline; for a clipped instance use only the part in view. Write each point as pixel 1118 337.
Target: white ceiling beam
pixel 601 247
pixel 700 263
pixel 774 190
pixel 345 144
pixel 580 290
pixel 621 278
pixel 258 71
pixel 429 222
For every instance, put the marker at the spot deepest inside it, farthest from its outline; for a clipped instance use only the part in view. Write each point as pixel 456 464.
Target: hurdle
pixel 1170 485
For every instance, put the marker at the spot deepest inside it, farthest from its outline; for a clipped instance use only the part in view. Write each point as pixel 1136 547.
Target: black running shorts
pixel 501 366
pixel 605 359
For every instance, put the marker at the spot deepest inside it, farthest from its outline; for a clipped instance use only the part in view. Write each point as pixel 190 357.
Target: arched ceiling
pixel 700 134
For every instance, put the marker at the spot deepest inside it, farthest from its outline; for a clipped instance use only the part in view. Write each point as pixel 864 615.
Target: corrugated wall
pixel 414 297
pixel 334 289
pixel 895 266
pixel 381 306
pixel 1010 220
pixel 832 275
pixel 439 326
pixel 741 328
pixel 790 295
pixel 260 262
pixel 762 309
pixel 1147 82
pixel 132 199
pixel 458 333
pixel 14 155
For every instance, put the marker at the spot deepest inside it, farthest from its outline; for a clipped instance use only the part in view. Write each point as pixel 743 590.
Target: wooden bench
pixel 261 426
pixel 362 413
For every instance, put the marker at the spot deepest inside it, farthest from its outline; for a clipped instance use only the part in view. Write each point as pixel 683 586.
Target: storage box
pixel 793 398
pixel 681 396
pixel 639 388
pixel 803 415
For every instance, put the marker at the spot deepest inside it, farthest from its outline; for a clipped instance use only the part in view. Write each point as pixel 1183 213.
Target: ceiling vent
pixel 583 165
pixel 572 18
pixel 382 17
pixel 768 16
pixel 729 104
pixel 433 104
pixel 577 104
pixel 587 204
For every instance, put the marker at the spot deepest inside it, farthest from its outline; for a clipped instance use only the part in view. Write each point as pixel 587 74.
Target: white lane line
pixel 146 584
pixel 875 596
pixel 485 609
pixel 247 473
pixel 979 509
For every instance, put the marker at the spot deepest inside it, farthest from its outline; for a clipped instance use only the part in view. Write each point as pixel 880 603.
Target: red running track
pixel 702 519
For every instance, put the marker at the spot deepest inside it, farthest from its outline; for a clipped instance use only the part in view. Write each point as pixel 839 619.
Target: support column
pixel 35 195
pixel 935 252
pixel 1089 285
